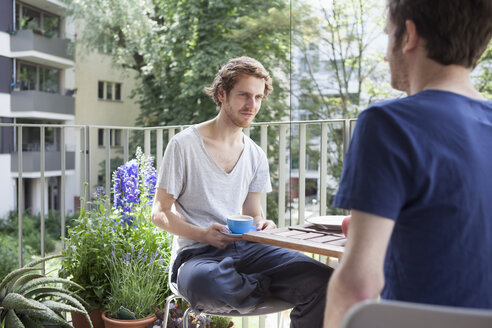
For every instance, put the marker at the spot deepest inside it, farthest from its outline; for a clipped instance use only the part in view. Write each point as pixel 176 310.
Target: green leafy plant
pixel 101 233
pixel 9 256
pixel 90 241
pixel 136 282
pixel 31 299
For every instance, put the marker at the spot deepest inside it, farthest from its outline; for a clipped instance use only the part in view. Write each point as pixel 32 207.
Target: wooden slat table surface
pixel 322 242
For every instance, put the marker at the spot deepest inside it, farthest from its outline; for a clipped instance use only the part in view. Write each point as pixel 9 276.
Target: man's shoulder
pixel 253 147
pixel 185 136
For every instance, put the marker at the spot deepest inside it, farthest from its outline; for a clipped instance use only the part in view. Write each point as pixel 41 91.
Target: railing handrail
pixel 166 127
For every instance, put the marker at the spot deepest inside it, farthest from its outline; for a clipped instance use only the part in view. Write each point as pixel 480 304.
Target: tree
pixel 338 66
pixel 177 46
pixel 482 75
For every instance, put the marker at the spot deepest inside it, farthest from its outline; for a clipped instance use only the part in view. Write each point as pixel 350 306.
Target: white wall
pixel 7 201
pixel 4 44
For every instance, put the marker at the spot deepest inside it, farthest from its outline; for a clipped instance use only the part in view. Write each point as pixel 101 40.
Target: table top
pixel 306 239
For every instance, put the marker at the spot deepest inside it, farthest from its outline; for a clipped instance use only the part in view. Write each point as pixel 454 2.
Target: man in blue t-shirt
pixel 418 173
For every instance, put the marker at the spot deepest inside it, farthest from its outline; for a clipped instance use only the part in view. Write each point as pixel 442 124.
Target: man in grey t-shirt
pixel 211 171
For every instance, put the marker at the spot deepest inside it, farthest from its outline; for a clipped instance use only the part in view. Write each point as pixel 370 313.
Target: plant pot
pixel 80 321
pixel 138 323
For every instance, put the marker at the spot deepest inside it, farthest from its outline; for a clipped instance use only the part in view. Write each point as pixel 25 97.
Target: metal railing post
pixel 62 184
pixel 264 146
pixel 107 189
pixel 302 174
pixel 20 192
pixel 323 168
pixel 43 184
pixel 281 175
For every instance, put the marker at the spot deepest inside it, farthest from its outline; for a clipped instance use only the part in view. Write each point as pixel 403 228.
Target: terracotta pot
pixel 80 321
pixel 138 323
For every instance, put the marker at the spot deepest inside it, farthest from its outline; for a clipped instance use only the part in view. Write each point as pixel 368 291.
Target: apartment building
pixel 36 86
pixel 103 100
pixel 44 80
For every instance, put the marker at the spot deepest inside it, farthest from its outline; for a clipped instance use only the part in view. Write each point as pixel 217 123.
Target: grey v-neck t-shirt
pixel 204 192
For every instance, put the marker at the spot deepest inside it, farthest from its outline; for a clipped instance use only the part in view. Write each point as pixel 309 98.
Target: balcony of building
pixel 42 48
pixel 38 104
pixel 38 34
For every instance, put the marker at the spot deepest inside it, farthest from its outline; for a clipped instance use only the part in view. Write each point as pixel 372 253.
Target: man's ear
pixel 411 38
pixel 220 94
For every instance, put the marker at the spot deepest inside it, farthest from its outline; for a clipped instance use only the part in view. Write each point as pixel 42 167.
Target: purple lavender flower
pixel 133 186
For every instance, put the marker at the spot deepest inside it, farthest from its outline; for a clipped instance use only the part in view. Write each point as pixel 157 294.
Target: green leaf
pixel 70 299
pixel 47 315
pixel 59 307
pixel 12 320
pixel 41 291
pixel 24 279
pixel 41 260
pixel 14 301
pixel 30 323
pixel 47 280
pixel 14 274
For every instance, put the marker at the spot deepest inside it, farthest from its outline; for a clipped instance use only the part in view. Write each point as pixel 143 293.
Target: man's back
pixel 435 180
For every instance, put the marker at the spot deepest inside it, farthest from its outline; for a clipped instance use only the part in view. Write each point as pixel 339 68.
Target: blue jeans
pixel 242 274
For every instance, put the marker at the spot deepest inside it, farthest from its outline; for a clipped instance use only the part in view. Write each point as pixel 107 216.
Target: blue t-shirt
pixel 425 161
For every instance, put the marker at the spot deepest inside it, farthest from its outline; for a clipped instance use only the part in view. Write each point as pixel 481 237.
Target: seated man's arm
pixel 360 273
pixel 252 207
pixel 165 218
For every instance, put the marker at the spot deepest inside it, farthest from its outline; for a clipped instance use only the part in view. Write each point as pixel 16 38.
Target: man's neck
pixel 452 78
pixel 218 130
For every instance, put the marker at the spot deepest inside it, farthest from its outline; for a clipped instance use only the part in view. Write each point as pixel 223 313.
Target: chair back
pixel 388 314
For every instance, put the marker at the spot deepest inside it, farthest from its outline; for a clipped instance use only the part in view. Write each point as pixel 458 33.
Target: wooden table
pixel 311 240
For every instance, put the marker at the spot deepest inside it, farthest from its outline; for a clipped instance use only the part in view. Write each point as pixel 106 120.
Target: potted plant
pixel 88 243
pixel 31 299
pixel 100 235
pixel 136 287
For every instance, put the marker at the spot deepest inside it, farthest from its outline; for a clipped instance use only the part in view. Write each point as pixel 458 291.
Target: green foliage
pixel 31 227
pixel 99 234
pixel 9 256
pixel 178 46
pixel 482 75
pixel 31 299
pixel 136 282
pixel 220 322
pixel 339 72
pixel 89 242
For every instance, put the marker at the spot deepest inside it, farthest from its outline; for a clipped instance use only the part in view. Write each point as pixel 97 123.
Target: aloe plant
pixel 31 299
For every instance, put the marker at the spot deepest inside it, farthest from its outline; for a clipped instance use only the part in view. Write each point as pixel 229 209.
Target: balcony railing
pixel 305 162
pixel 30 101
pixel 32 46
pixel 291 147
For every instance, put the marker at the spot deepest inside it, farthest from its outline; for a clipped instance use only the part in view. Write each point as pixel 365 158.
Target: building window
pixel 109 90
pixel 27 77
pixel 49 80
pixel 117 91
pixel 106 46
pixel 114 138
pixel 100 90
pixel 39 21
pixel 100 137
pixel 38 77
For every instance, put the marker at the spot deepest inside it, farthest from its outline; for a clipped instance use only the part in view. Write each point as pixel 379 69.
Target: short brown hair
pixel 456 31
pixel 230 73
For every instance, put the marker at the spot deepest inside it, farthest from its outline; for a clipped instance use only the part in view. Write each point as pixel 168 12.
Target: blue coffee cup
pixel 239 224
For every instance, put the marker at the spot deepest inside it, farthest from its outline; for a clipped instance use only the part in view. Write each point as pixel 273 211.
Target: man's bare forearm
pixel 176 225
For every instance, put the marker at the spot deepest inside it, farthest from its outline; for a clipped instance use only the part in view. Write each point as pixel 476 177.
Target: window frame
pixel 37 83
pixel 19 14
pixel 115 91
